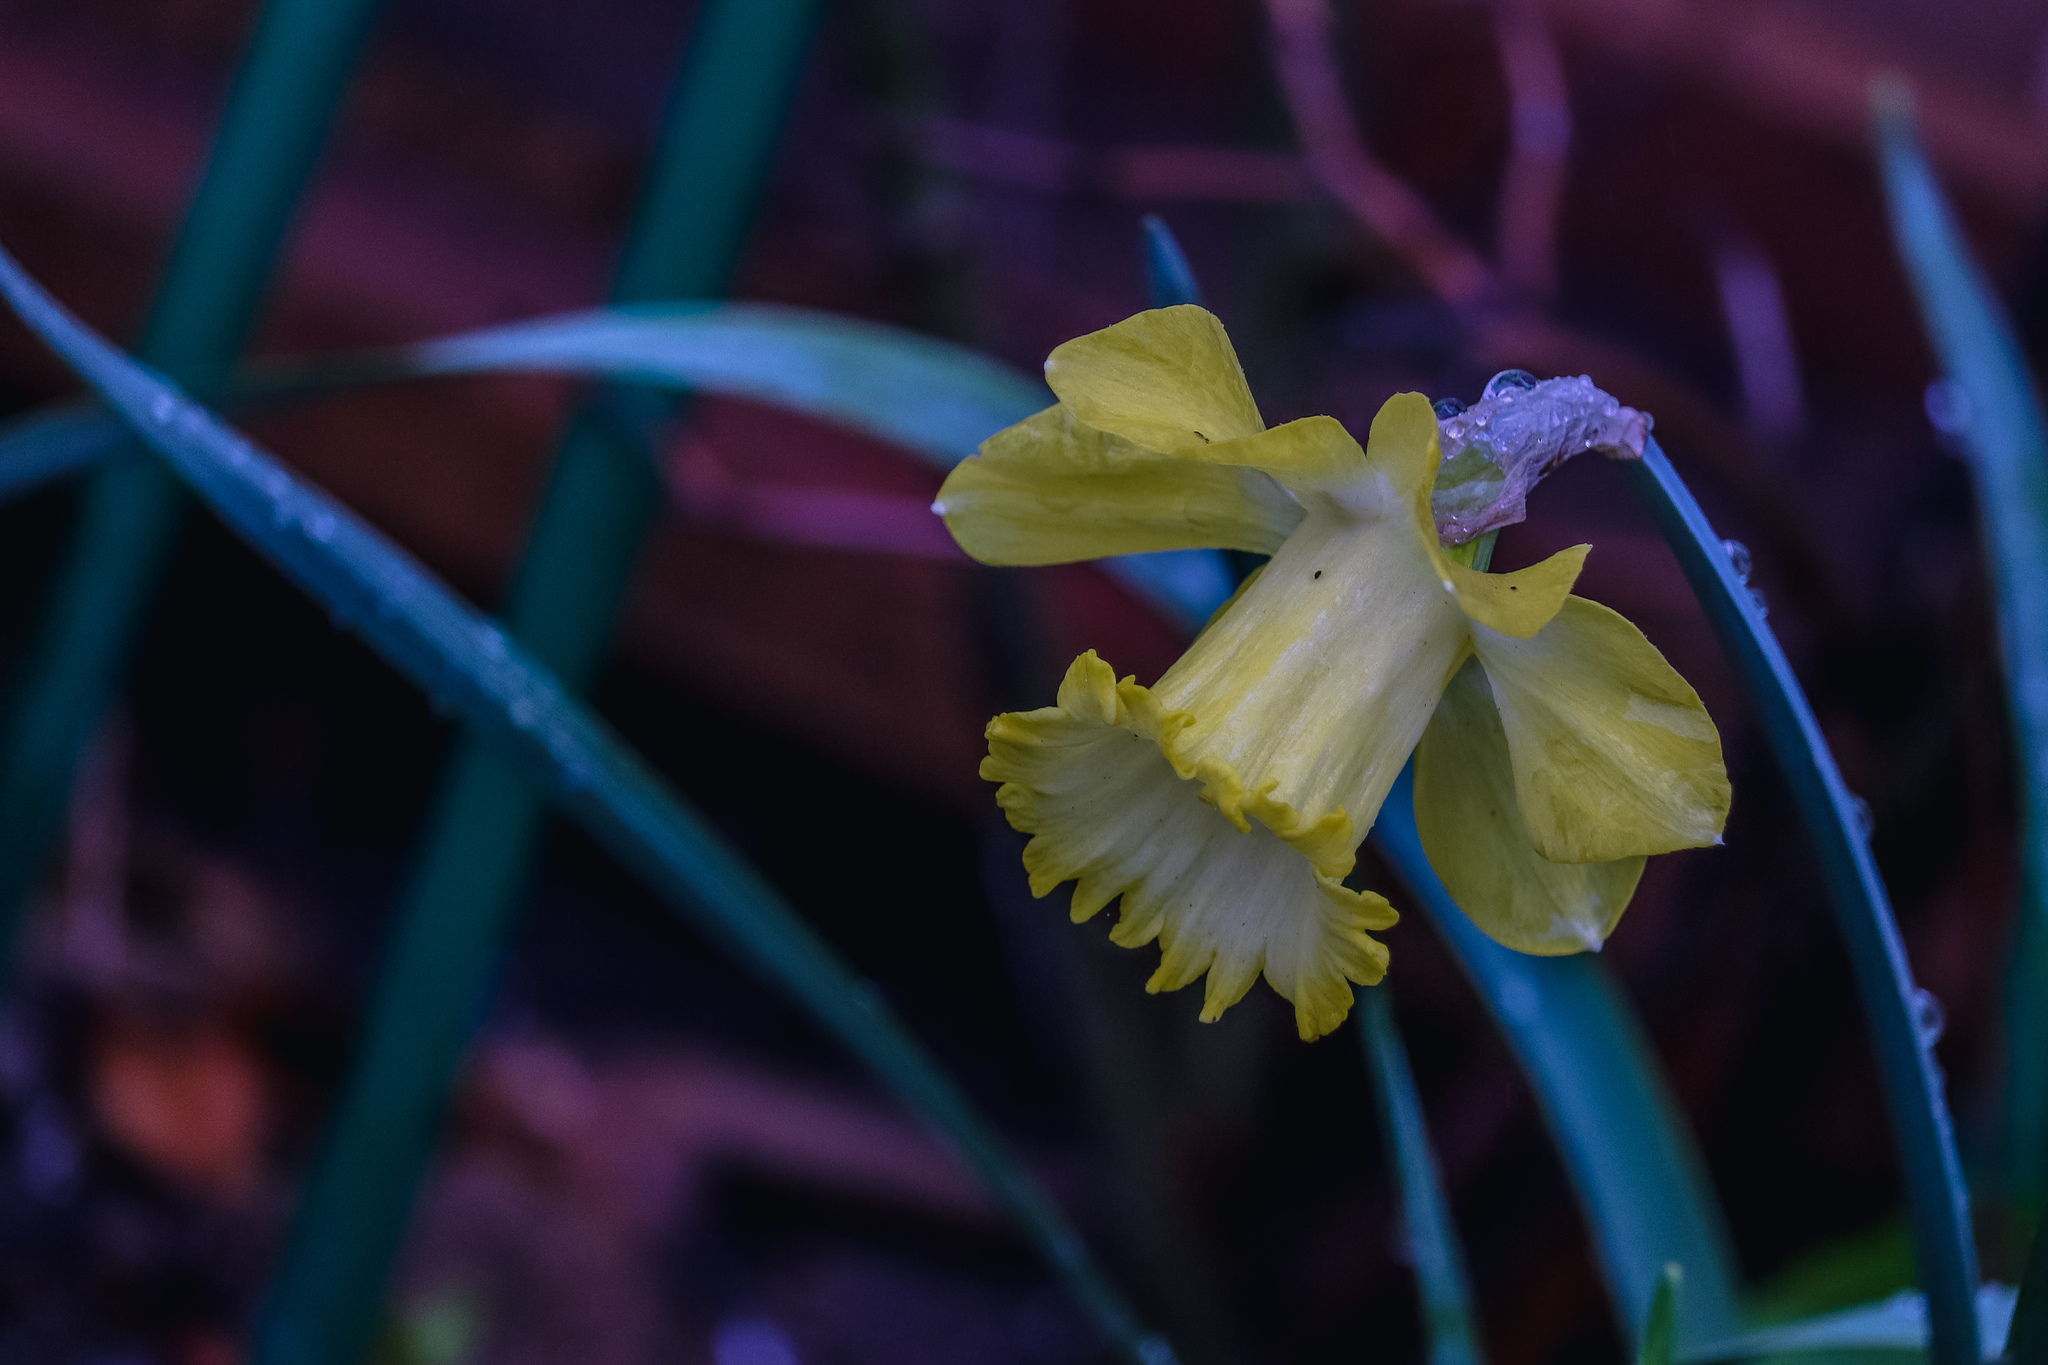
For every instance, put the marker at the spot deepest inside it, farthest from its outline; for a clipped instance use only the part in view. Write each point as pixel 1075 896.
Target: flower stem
pixel 1936 1200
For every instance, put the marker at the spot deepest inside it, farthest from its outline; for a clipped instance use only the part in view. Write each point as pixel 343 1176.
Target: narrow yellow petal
pixel 1472 830
pixel 1613 754
pixel 1403 448
pixel 1088 779
pixel 1519 603
pixel 1166 379
pixel 1051 490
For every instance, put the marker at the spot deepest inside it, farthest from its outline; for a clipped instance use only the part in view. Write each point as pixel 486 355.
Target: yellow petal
pixel 1472 830
pixel 1166 379
pixel 1304 698
pixel 1051 490
pixel 1403 448
pixel 1613 754
pixel 1088 780
pixel 1518 604
pixel 1309 455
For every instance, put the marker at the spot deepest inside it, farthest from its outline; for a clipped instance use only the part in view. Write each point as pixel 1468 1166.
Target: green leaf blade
pixel 465 661
pixel 1936 1198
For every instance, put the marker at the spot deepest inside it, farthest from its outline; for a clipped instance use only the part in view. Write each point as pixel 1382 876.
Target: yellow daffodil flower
pixel 1554 747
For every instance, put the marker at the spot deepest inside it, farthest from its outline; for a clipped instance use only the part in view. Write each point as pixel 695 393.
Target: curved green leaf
pixel 1994 411
pixel 932 398
pixel 462 659
pixel 1937 1203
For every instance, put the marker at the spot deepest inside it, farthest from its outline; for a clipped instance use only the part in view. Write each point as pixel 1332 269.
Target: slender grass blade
pixel 1449 1324
pixel 1937 1202
pixel 1992 407
pixel 465 661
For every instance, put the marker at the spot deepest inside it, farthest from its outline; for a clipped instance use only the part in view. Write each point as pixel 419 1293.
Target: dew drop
pixel 163 408
pixel 1929 1019
pixel 1507 381
pixel 1866 822
pixel 1756 599
pixel 321 527
pixel 1447 408
pixel 1738 558
pixel 1948 407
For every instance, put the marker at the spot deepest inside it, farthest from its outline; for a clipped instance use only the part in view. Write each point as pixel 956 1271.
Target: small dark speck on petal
pixel 1204 438
pixel 1319 573
pixel 1513 588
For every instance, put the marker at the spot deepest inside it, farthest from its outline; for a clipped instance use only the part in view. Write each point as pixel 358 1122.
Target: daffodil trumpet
pixel 1555 749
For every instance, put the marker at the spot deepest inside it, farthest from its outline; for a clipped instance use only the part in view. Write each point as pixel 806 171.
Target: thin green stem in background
pixel 1625 1146
pixel 2026 1343
pixel 270 138
pixel 481 839
pixel 1991 406
pixel 1450 1326
pixel 1898 1013
pixel 1660 1325
pixel 469 665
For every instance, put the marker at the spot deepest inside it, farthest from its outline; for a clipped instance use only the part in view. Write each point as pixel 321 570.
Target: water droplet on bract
pixel 1738 558
pixel 1507 381
pixel 1866 822
pixel 1447 408
pixel 163 407
pixel 490 641
pixel 1756 599
pixel 321 527
pixel 1929 1019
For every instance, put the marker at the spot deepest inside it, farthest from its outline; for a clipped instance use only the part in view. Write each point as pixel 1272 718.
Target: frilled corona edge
pixel 1230 881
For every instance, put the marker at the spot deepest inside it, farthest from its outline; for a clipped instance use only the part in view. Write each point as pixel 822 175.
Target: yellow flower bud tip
pixel 1555 749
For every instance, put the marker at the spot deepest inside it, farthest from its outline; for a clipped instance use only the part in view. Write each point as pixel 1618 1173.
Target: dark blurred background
pixel 651 1156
